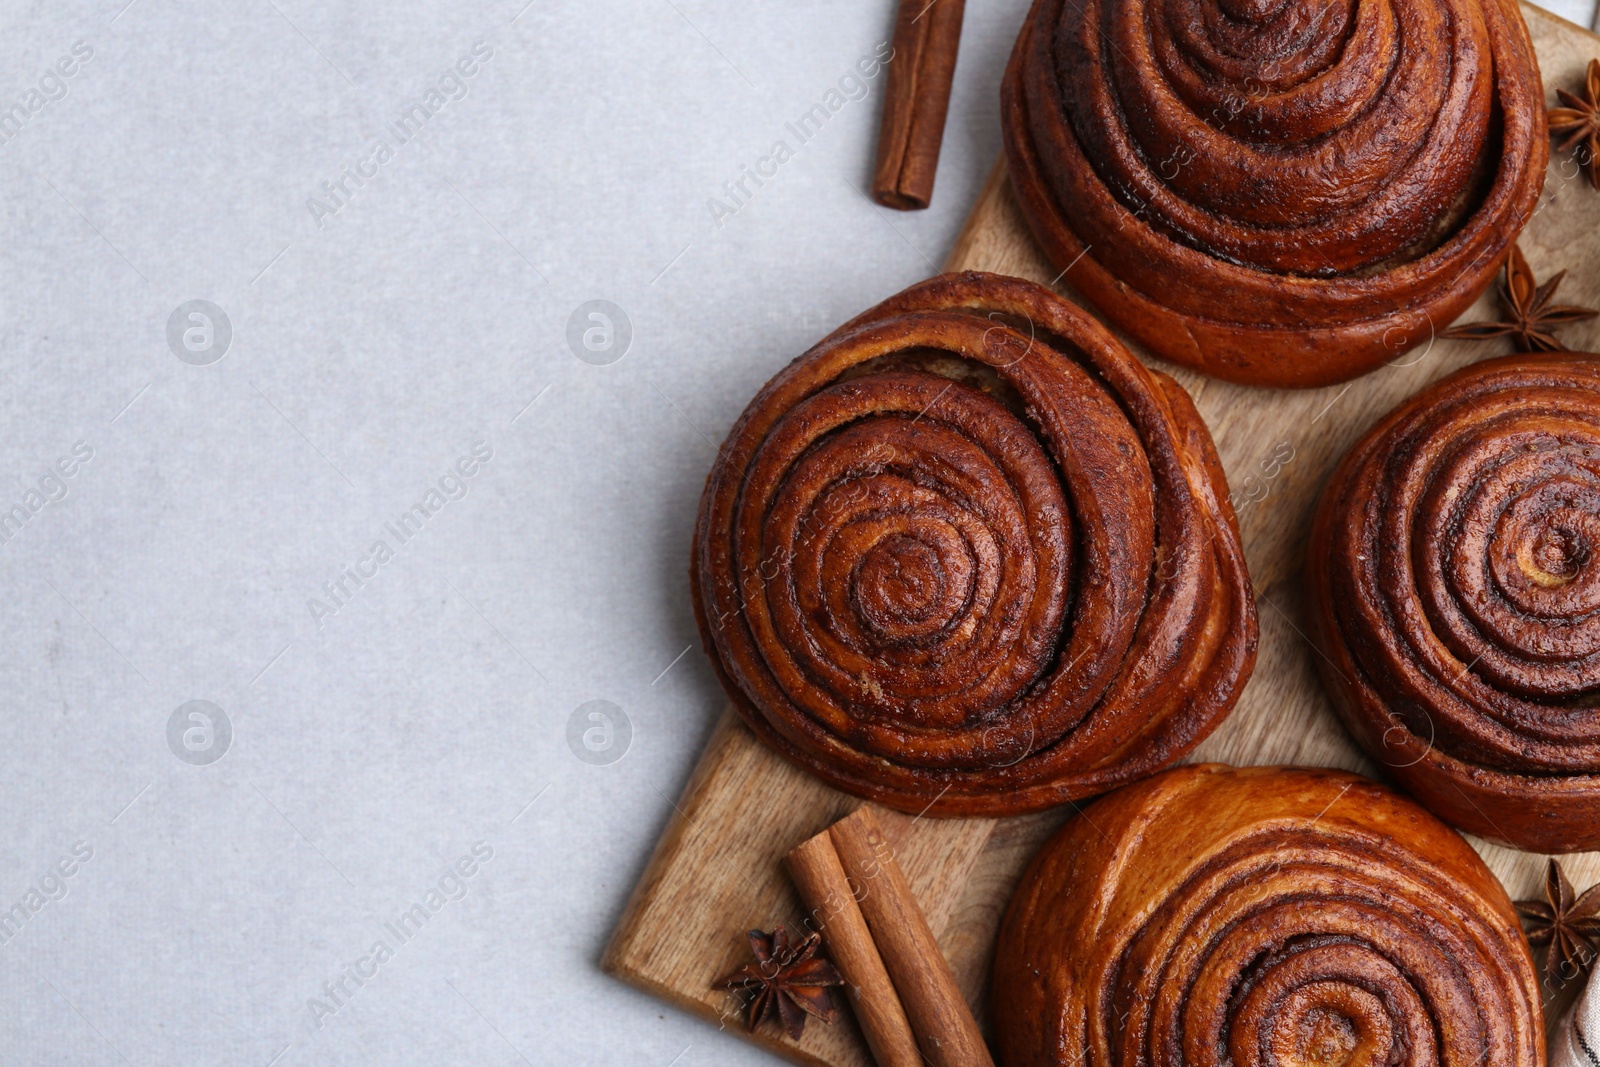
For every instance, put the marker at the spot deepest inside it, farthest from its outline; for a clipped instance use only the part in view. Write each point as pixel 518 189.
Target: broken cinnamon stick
pixel 827 892
pixel 927 34
pixel 940 1020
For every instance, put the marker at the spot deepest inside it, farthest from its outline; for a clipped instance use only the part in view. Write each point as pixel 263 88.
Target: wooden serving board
pixel 718 869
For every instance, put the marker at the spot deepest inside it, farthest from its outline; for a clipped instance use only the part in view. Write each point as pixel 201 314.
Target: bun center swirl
pixel 1520 505
pixel 1297 136
pixel 911 549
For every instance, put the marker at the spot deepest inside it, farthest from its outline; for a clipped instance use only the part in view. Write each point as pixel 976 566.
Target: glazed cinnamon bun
pixel 1455 585
pixel 968 556
pixel 1262 917
pixel 1276 192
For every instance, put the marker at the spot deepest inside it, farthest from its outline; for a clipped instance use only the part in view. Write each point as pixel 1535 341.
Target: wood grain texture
pixel 718 870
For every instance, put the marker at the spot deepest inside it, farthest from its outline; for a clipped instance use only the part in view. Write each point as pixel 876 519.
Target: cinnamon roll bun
pixel 1262 917
pixel 968 556
pixel 1455 586
pixel 1276 192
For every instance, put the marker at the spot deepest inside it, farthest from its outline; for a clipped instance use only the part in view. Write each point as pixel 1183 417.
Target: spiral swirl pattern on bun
pixel 1276 192
pixel 1455 580
pixel 1262 917
pixel 967 555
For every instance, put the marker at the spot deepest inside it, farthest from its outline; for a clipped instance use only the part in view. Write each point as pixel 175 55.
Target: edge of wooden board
pixel 941 859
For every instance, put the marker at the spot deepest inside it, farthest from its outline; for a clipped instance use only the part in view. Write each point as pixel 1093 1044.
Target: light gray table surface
pixel 198 493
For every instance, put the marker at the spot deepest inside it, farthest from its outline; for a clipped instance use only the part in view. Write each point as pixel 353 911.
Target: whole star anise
pixel 1580 122
pixel 1529 314
pixel 1568 924
pixel 790 981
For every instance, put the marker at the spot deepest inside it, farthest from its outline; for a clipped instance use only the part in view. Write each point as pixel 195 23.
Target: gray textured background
pixel 427 711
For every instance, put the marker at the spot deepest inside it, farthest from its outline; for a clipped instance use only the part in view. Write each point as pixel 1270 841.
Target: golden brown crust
pixel 1281 193
pixel 1267 917
pixel 1455 584
pixel 968 556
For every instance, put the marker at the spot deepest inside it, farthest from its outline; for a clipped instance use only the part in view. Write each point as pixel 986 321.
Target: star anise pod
pixel 790 981
pixel 1580 122
pixel 1568 924
pixel 1529 314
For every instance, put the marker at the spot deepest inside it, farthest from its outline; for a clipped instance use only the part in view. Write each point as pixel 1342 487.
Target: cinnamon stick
pixel 827 892
pixel 927 34
pixel 940 1019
